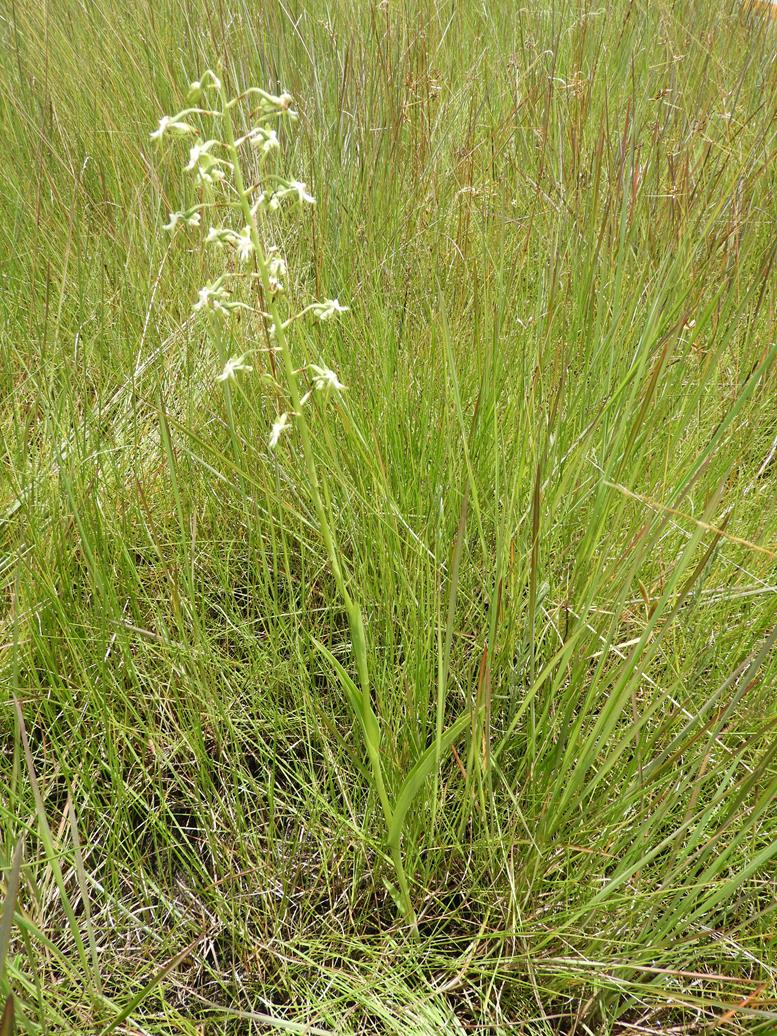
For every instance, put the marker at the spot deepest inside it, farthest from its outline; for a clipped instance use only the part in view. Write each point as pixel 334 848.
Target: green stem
pixel 218 334
pixel 353 611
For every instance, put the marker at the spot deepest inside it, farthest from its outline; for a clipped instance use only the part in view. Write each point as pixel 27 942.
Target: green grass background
pixel 552 475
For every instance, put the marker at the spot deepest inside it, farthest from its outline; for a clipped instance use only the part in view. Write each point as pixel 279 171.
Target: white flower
pixel 279 104
pixel 215 297
pixel 293 189
pixel 325 379
pixel 232 366
pixel 199 85
pixel 270 142
pixel 212 296
pixel 278 428
pixel 189 218
pixel 327 309
pixel 283 103
pixel 276 265
pixel 276 271
pixel 220 236
pixel 207 166
pixel 173 125
pixel 300 189
pixel 265 201
pixel 196 153
pixel 244 244
pixel 262 138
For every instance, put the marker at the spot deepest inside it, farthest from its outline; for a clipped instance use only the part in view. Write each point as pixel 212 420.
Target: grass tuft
pixel 542 604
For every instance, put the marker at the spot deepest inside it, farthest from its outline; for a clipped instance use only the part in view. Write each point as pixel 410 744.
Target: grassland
pixel 552 482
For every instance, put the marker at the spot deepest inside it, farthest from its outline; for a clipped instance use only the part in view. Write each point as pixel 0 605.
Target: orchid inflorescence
pixel 217 167
pixel 216 164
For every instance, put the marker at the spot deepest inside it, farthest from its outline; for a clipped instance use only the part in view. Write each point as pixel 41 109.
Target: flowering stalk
pixel 223 167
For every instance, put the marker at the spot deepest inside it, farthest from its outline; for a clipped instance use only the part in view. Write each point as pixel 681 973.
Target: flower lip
pixel 232 366
pixel 196 153
pixel 301 190
pixel 325 379
pixel 244 244
pixel 327 309
pixel 173 125
pixel 220 236
pixel 280 425
pixel 215 297
pixel 188 217
pixel 294 189
pixel 207 167
pixel 262 138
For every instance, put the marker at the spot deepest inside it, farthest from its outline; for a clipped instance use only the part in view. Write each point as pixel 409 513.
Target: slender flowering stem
pixel 353 611
pixel 223 172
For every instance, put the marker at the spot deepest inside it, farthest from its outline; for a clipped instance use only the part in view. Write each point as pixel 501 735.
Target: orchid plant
pixel 218 164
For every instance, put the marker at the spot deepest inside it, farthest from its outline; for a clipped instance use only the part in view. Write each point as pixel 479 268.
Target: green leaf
pixel 363 710
pixel 414 781
pixel 9 907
